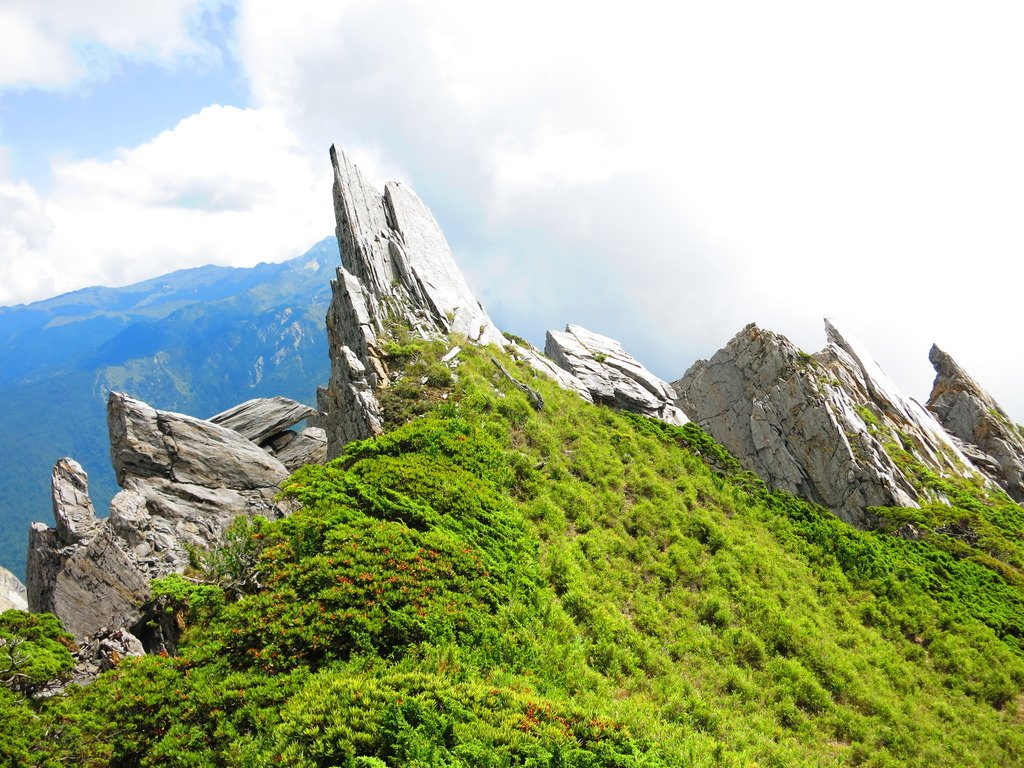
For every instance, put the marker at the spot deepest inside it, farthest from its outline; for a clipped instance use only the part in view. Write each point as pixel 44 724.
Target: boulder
pixel 818 426
pixel 147 444
pixel 12 592
pixel 991 439
pixel 611 375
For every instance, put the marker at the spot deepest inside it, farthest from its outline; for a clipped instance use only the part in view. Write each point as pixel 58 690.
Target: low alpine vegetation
pixel 492 585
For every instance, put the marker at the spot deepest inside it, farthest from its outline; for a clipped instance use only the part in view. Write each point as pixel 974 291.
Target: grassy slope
pixel 489 585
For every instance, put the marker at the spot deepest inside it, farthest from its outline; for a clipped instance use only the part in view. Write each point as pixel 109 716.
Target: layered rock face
pixel 992 441
pixel 817 425
pixel 611 375
pixel 184 480
pixel 12 592
pixel 396 268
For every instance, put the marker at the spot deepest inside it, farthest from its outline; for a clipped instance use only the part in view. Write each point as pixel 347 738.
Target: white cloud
pixel 55 43
pixel 225 186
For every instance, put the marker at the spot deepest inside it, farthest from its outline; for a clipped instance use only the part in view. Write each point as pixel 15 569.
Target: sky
pixel 663 175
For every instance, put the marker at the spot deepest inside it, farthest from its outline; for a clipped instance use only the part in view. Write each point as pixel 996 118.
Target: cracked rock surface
pixel 992 441
pixel 817 425
pixel 12 592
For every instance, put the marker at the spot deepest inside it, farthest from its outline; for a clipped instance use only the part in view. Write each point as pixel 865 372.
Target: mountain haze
pixel 196 340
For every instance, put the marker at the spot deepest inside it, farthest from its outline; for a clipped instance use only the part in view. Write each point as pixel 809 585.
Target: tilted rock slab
pixel 397 268
pixel 266 421
pixel 611 375
pixel 815 425
pixel 184 480
pixel 261 419
pixel 12 592
pixel 970 413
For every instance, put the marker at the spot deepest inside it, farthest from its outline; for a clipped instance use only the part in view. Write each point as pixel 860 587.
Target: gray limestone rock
pixel 184 481
pixel 397 268
pixel 146 443
pixel 611 375
pixel 12 592
pixel 816 425
pixel 991 439
pixel 260 419
pixel 72 507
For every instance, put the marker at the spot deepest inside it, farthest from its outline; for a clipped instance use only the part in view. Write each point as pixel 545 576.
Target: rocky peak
pixel 991 439
pixel 821 426
pixel 397 267
pixel 397 271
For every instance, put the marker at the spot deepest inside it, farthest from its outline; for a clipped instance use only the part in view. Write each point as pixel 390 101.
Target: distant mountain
pixel 196 341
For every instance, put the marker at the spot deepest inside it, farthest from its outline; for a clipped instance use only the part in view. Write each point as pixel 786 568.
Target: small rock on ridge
pixel 611 375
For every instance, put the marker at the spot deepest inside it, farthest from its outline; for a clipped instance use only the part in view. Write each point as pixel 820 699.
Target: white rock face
pixel 817 425
pixel 397 267
pixel 184 481
pixel 611 375
pixel 992 441
pixel 12 592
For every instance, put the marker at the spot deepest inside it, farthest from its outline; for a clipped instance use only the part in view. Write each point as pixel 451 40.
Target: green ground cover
pixel 492 585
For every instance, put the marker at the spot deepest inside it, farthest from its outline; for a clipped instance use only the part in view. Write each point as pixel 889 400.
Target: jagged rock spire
pixel 994 442
pixel 397 267
pixel 817 425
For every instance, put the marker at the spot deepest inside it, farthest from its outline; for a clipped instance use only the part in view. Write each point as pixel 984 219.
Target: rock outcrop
pixel 184 480
pixel 396 268
pixel 821 426
pixel 611 375
pixel 992 440
pixel 12 592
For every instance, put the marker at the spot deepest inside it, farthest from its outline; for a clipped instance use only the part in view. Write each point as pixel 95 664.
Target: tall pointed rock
pixel 397 267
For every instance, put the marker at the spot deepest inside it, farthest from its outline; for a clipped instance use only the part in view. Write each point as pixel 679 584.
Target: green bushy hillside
pixel 494 585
